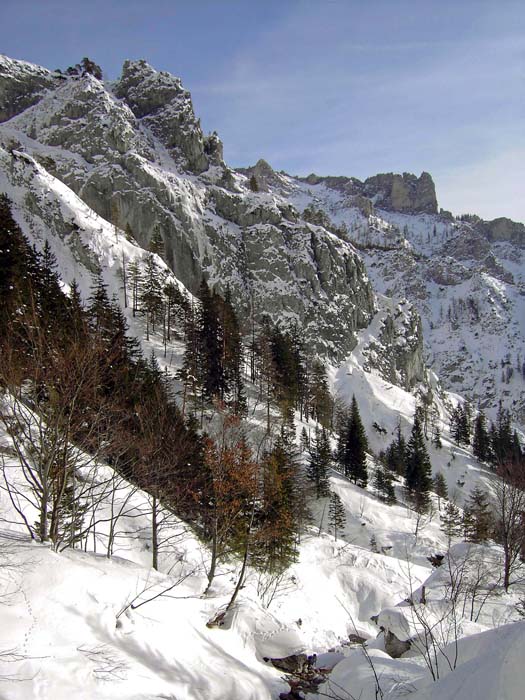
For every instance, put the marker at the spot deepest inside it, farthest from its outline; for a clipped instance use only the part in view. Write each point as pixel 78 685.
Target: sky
pixel 335 87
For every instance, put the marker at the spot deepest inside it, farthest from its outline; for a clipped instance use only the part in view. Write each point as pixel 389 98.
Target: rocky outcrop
pixel 503 230
pixel 265 175
pixel 404 193
pixel 164 106
pixel 397 351
pixel 132 155
pixel 22 85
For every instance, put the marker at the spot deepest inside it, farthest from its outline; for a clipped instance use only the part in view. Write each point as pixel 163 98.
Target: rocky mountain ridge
pixel 135 154
pixel 465 277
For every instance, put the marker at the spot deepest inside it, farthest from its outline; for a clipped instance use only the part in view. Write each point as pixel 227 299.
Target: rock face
pixel 503 230
pixel 135 153
pixel 22 85
pixel 403 193
pixel 164 106
pixel 399 193
pixel 465 277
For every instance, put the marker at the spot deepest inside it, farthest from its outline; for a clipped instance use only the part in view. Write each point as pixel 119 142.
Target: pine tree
pixel 395 456
pixel 436 437
pixel 319 462
pixel 254 186
pixel 156 244
pixel 384 485
pixel 456 424
pixel 418 468
pixel 321 402
pixel 134 277
pixel 480 443
pixel 151 298
pixel 336 514
pixel 232 355
pixel 451 521
pixel 501 436
pixel 355 448
pixel 478 521
pixel 283 512
pixel 305 440
pixel 440 486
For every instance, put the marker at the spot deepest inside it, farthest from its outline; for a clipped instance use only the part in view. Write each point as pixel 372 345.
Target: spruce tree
pixel 440 486
pixel 480 443
pixel 384 486
pixel 211 344
pixel 321 402
pixel 478 521
pixel 156 244
pixel 232 355
pixel 319 462
pixel 418 468
pixel 395 456
pixel 355 448
pixel 282 511
pixel 501 436
pixel 336 514
pixel 451 521
pixel 151 297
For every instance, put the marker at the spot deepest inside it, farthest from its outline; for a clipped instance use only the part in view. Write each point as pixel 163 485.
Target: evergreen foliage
pixel 481 443
pixel 418 476
pixel 451 521
pixel 319 462
pixel 478 521
pixel 383 483
pixel 355 448
pixel 336 514
pixel 440 485
pixel 395 456
pixel 283 512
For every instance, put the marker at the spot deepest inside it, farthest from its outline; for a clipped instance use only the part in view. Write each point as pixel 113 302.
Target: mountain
pixel 465 276
pixel 399 299
pixel 134 152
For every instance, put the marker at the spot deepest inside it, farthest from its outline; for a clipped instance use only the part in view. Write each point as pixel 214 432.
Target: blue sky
pixel 341 87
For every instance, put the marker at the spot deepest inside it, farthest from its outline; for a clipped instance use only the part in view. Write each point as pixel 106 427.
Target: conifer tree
pixel 501 436
pixel 232 355
pixel 355 448
pixel 436 437
pixel 156 244
pixel 451 521
pixel 321 403
pixel 440 486
pixel 395 456
pixel 305 440
pixel 336 514
pixel 319 462
pixel 151 298
pixel 478 521
pixel 283 512
pixel 418 468
pixel 480 443
pixel 134 278
pixel 384 485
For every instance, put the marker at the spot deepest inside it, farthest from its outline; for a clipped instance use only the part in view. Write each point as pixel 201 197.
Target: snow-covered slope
pixel 97 170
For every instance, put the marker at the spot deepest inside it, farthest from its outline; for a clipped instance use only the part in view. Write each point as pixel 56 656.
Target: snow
pixel 66 626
